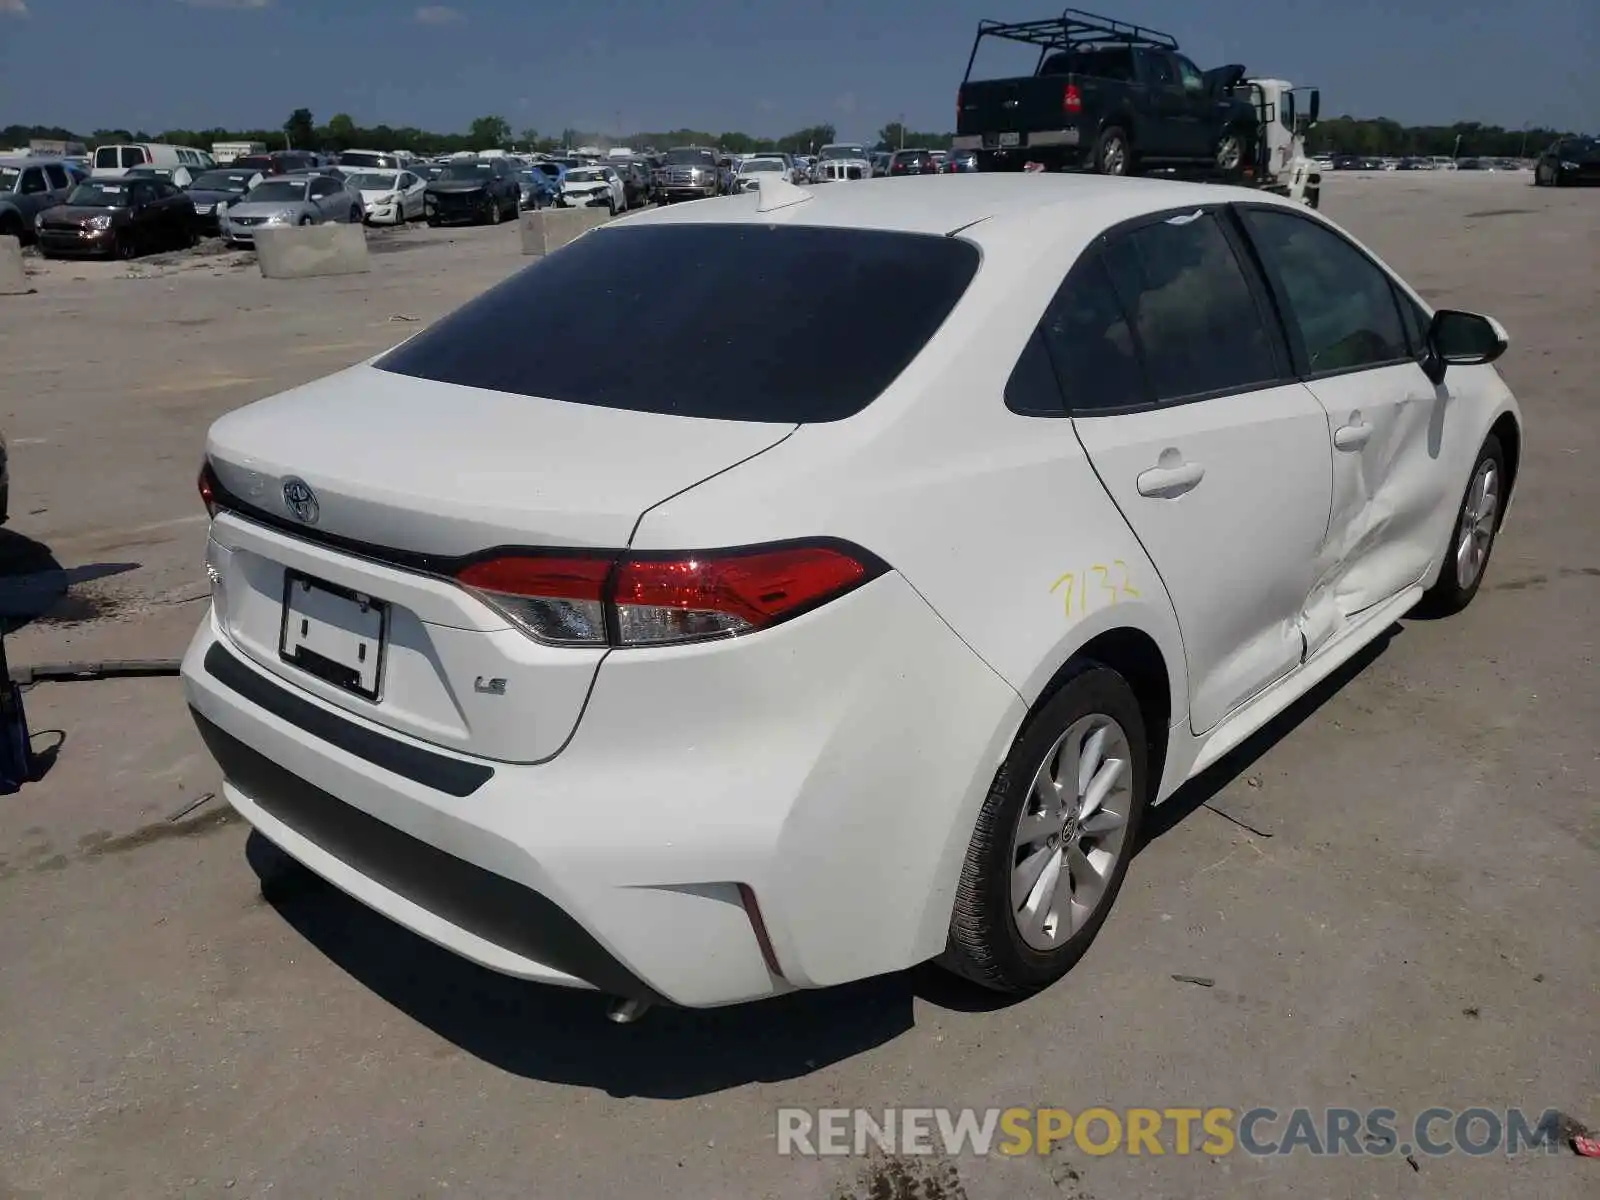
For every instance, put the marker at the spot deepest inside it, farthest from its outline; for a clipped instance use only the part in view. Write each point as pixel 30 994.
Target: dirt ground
pixel 1393 892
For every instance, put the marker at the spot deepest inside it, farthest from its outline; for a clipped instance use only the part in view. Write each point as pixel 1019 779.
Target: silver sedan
pixel 306 199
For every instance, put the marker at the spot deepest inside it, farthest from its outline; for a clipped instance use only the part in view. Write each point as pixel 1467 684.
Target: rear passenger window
pixel 1342 306
pixel 57 176
pixel 1090 344
pixel 1196 321
pixel 1032 389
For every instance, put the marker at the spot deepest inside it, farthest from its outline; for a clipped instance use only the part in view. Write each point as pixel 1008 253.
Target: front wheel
pixel 1053 839
pixel 1113 155
pixel 495 215
pixel 1472 540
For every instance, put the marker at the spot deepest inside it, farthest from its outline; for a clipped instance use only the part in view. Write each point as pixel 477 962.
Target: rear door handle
pixel 1354 435
pixel 1171 477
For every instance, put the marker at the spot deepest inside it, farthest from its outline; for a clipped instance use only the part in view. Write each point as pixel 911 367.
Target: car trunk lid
pixel 371 487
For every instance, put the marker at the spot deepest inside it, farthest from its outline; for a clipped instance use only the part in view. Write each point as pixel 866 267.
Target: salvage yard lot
pixel 1394 893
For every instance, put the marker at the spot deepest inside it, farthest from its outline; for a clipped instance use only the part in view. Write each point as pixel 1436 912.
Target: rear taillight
pixel 1072 99
pixel 662 599
pixel 558 599
pixel 208 489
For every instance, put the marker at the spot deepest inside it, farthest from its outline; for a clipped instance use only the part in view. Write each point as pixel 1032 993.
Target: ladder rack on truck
pixel 1074 29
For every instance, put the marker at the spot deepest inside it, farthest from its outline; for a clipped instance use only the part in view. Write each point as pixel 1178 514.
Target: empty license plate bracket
pixel 336 634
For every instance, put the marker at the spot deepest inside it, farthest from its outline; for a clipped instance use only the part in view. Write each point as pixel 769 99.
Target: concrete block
pixel 13 278
pixel 303 251
pixel 594 216
pixel 546 230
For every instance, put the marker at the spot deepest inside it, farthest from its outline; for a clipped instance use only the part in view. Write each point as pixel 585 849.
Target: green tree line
pixel 1349 135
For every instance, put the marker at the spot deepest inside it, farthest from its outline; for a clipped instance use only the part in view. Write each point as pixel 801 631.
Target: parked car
pixel 963 162
pixel 181 178
pixel 941 161
pixel 473 190
pixel 1568 161
pixel 280 162
pixel 636 183
pixel 688 173
pixel 117 217
pixel 504 649
pixel 1107 95
pixel 370 160
pixel 753 170
pixel 541 184
pixel 28 186
pixel 913 162
pixel 843 161
pixel 389 197
pixel 589 187
pixel 215 190
pixel 305 199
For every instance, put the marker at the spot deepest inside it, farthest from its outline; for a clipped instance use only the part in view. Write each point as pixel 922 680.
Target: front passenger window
pixel 1338 300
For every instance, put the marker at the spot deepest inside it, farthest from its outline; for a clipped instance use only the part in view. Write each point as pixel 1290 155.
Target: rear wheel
pixel 305 220
pixel 495 214
pixel 11 226
pixel 1053 839
pixel 1113 154
pixel 1232 155
pixel 1472 537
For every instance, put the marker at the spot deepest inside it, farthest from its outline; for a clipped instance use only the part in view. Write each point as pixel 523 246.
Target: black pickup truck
pixel 1105 95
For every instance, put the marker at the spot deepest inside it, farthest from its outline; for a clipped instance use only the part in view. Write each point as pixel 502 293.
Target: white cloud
pixel 438 14
pixel 13 8
pixel 228 3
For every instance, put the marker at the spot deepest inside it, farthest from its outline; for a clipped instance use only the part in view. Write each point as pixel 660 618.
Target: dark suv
pixel 473 190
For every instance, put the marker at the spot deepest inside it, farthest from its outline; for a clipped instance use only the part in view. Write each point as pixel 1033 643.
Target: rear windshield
pixel 587 324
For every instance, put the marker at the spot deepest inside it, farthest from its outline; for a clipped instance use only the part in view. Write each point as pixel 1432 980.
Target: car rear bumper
pixel 815 785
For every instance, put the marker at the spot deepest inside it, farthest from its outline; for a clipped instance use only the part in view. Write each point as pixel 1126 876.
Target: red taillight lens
pixel 1072 99
pixel 575 600
pixel 208 489
pixel 690 598
pixel 558 599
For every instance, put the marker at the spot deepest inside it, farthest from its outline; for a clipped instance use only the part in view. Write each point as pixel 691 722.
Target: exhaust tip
pixel 626 1012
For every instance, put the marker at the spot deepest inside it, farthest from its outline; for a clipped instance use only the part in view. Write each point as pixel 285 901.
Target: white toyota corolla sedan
pixel 585 636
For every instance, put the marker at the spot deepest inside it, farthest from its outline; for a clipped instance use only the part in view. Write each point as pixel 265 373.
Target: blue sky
pixel 762 66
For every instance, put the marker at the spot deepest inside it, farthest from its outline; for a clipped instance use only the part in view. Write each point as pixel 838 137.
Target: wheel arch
pixel 1132 653
pixel 1509 431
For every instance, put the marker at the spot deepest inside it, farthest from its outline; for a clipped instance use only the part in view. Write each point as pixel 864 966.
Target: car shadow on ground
pixel 562 1036
pixel 34 586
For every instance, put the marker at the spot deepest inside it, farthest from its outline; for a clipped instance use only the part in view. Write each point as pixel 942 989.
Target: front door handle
pixel 1170 477
pixel 1354 435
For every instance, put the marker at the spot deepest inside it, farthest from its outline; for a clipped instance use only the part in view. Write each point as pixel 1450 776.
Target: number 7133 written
pixel 1100 585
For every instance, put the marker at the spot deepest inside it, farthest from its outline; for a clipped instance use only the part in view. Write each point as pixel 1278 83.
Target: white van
pixel 115 160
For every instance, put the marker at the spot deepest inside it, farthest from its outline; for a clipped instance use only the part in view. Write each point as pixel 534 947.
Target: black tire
pixel 123 246
pixel 433 222
pixel 985 944
pixel 1233 155
pixel 495 215
pixel 356 215
pixel 304 220
pixel 279 874
pixel 1113 152
pixel 1449 595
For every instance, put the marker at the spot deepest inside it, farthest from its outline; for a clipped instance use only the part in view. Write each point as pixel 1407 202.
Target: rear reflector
pixel 663 599
pixel 1072 99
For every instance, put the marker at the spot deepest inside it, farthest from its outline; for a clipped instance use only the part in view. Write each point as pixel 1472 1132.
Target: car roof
pixel 29 160
pixel 957 202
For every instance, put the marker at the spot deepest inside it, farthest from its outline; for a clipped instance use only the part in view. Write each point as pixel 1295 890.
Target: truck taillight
pixel 621 599
pixel 1072 99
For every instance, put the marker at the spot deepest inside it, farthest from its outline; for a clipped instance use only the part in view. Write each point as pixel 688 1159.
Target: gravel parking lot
pixel 1393 893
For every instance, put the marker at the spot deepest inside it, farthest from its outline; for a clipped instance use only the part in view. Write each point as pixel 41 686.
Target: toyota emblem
pixel 301 500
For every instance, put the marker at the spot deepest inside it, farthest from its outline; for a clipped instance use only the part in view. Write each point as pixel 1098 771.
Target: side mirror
pixel 1462 339
pixel 1314 106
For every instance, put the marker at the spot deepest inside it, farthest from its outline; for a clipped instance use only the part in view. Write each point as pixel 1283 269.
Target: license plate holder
pixel 1009 139
pixel 336 634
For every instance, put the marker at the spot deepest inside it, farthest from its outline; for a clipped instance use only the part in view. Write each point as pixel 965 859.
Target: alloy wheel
pixel 1478 517
pixel 1072 831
